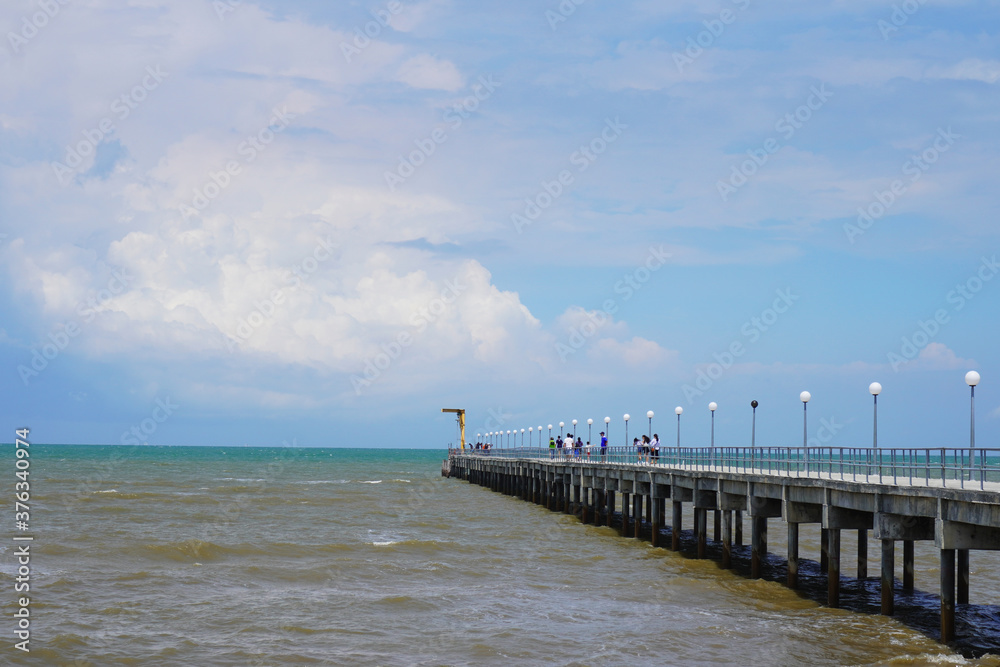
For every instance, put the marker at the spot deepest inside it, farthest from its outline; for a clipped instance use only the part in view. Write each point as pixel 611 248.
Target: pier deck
pixel 952 499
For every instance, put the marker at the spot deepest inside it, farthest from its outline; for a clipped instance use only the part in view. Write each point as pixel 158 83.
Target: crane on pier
pixel 461 420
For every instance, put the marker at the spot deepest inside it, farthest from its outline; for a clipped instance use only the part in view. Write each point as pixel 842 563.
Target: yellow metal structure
pixel 461 420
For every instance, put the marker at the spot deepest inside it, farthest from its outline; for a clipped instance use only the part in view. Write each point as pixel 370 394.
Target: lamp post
pixel 550 432
pixel 875 389
pixel 678 411
pixel 713 406
pixel 574 428
pixel 607 428
pixel 540 435
pixel 626 417
pixel 804 397
pixel 522 437
pixel 753 424
pixel 972 379
pixel 530 431
pixel 590 430
pixel 649 416
pixel 561 424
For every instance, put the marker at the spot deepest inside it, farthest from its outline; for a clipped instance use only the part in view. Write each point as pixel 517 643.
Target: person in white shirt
pixel 654 447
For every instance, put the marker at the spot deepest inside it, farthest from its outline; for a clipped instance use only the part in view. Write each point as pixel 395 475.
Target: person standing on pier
pixel 654 448
pixel 604 445
pixel 568 445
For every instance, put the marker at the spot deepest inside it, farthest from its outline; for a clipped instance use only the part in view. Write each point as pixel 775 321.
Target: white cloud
pixel 429 73
pixel 938 357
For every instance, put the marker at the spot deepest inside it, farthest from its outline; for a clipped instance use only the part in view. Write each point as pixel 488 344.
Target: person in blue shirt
pixel 604 445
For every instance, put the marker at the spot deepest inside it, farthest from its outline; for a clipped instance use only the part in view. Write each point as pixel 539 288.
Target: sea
pixel 308 556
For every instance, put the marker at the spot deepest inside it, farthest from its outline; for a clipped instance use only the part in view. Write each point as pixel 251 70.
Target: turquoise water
pixel 290 556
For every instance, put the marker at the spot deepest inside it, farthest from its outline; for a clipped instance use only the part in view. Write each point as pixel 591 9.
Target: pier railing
pixel 944 466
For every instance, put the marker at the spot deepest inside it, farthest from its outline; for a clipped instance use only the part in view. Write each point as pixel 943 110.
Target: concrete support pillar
pixel 663 511
pixel 908 565
pixel 862 553
pixel 577 499
pixel 657 505
pixel 701 529
pixel 963 576
pixel 675 525
pixel 727 539
pixel 609 498
pixel 636 514
pixel 717 519
pixel 947 595
pixel 585 504
pixel 833 574
pixel 625 511
pixel 793 555
pixel 888 577
pixel 758 545
pixel 649 508
pixel 824 549
pixel 738 535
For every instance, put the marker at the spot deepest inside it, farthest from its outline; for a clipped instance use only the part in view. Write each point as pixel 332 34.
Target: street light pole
pixel 626 417
pixel 753 424
pixel 678 411
pixel 804 397
pixel 875 388
pixel 649 415
pixel 590 430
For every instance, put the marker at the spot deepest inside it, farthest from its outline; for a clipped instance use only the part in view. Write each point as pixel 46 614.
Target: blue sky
pixel 237 222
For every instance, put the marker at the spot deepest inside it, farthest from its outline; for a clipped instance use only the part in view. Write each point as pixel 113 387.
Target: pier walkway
pixel 950 496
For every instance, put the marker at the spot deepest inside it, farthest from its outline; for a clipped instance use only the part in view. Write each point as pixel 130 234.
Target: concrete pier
pixel 957 520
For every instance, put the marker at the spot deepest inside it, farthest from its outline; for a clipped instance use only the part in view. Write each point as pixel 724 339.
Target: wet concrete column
pixel 907 565
pixel 758 544
pixel 947 595
pixel 862 553
pixel 625 514
pixel 833 574
pixel 637 513
pixel 656 505
pixel 584 504
pixel 727 539
pixel 610 505
pixel 888 577
pixel 717 518
pixel 963 576
pixel 675 525
pixel 738 534
pixel 701 529
pixel 577 498
pixel 793 555
pixel 567 498
pixel 649 507
pixel 824 549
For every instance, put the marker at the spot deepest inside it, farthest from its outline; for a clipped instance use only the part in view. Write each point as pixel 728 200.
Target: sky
pixel 318 223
